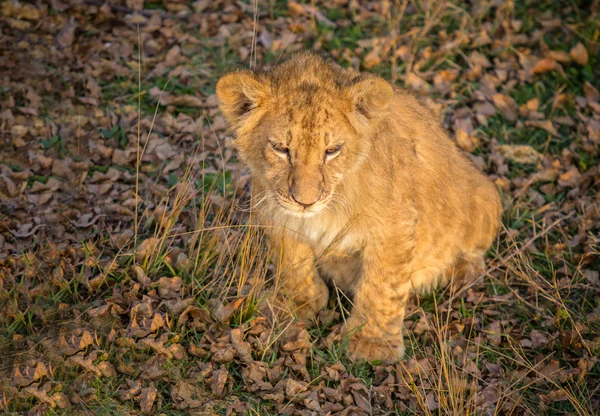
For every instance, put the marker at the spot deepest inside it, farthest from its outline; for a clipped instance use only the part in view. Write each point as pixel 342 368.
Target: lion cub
pixel 357 184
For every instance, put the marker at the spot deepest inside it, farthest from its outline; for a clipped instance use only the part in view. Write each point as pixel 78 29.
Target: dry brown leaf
pixel 29 374
pixel 157 346
pixel 169 287
pixel 591 93
pixel 134 387
pixel 416 83
pixel 311 402
pixel 293 388
pixel 200 317
pixel 544 125
pixel 223 313
pixel 530 106
pixel 464 141
pixel 243 349
pixel 507 106
pixel 491 394
pixel 559 56
pixel 219 379
pixel 155 323
pixel 372 59
pixel 295 338
pixel 523 154
pixel 481 39
pixel 183 394
pixel 538 339
pixel 148 246
pixel 592 276
pixel 477 58
pixel 147 398
pixel 141 276
pixel 222 353
pixel 40 395
pixel 66 36
pixel 570 178
pixel 543 65
pixel 185 101
pixel 430 400
pixel 85 363
pixel 295 9
pixel 298 9
pixel 107 369
pixel 166 99
pixel 579 54
pixel 555 396
pixel 552 370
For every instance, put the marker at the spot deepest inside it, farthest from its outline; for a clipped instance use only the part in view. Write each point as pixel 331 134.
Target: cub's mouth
pixel 300 210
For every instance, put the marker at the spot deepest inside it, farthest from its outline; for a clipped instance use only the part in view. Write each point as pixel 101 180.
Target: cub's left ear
pixel 239 92
pixel 370 96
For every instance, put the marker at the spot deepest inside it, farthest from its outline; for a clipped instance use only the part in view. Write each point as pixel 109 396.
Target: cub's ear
pixel 240 92
pixel 370 96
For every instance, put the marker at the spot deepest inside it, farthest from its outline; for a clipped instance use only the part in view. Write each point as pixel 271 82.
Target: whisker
pixel 247 207
pixel 341 202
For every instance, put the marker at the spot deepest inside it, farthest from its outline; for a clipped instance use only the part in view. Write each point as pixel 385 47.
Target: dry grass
pixel 169 310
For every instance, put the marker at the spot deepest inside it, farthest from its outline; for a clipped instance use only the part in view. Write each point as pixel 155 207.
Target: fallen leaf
pixel 147 398
pixel 134 387
pixel 491 394
pixel 169 287
pixel 219 379
pixel 559 56
pixel 464 141
pixel 543 65
pixel 186 395
pixel 570 178
pixel 523 154
pixel 295 338
pixel 545 125
pixel 552 370
pixel 416 83
pixel 591 93
pixel 538 339
pixel 66 36
pixel 200 317
pixel 148 246
pixel 372 59
pixel 223 313
pixel 507 106
pixel 432 403
pixel 579 54
pixel 555 396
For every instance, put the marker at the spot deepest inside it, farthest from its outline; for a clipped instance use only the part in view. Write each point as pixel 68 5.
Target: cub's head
pixel 303 126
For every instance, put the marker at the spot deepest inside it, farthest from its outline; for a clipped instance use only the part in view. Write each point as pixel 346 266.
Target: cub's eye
pixel 333 151
pixel 280 148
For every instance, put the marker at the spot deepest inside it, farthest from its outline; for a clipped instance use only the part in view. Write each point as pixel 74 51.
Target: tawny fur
pixel 357 182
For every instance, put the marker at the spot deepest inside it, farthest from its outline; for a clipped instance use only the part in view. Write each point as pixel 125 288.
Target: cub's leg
pixel 467 267
pixel 299 281
pixel 375 325
pixel 342 269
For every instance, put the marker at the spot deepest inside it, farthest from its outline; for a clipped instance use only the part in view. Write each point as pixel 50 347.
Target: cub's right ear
pixel 239 92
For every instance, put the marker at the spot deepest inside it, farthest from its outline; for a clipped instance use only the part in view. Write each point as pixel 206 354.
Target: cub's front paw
pixel 372 349
pixel 308 309
pixel 302 308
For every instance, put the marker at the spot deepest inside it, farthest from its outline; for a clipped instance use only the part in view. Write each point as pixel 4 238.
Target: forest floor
pixel 131 282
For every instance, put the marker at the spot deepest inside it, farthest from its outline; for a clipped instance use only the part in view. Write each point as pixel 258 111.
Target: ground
pixel 131 281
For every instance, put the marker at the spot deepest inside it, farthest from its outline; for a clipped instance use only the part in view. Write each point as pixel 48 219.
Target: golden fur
pixel 359 185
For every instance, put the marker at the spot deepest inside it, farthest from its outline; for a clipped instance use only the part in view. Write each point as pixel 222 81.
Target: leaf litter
pixel 128 276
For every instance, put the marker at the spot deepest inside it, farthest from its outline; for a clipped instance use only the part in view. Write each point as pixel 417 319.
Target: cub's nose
pixel 306 199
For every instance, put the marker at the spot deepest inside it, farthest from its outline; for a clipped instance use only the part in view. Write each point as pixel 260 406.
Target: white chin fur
pixel 302 213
